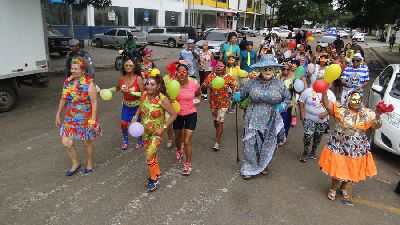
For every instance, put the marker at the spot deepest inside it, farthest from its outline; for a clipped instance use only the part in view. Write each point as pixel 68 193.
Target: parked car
pixel 168 36
pixel 317 31
pixel 190 31
pixel 116 37
pixel 325 40
pixel 57 42
pixel 343 34
pixel 283 33
pixel 264 31
pixel 216 39
pixel 359 36
pixel 248 31
pixel 386 87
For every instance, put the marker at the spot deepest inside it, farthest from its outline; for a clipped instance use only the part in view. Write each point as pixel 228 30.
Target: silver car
pixel 117 36
pixel 216 39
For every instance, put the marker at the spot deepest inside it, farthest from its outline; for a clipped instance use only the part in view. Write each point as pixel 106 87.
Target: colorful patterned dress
pixel 347 154
pixel 153 118
pixel 79 110
pixel 262 122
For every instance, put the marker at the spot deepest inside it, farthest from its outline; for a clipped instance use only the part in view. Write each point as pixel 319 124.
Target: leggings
pixel 313 132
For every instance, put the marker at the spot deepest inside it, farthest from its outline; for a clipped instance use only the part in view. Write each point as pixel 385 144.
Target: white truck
pixel 23 42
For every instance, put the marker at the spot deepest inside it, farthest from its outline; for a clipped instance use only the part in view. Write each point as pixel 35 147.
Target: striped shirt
pixel 355 77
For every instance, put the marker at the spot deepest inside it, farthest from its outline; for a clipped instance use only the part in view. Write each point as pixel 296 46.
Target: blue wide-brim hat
pixel 266 61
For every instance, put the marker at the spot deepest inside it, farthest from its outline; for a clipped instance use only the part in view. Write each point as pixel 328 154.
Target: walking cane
pixel 237 132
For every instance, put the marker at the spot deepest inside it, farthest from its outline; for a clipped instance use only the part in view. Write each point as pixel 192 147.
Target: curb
pixel 98 68
pixel 385 63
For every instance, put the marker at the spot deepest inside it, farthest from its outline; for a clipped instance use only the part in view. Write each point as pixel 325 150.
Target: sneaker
pixel 158 177
pixel 124 146
pixel 186 169
pixel 313 155
pixel 178 155
pixel 231 110
pixel 294 121
pixel 204 97
pixel 152 185
pixel 303 158
pixel 216 147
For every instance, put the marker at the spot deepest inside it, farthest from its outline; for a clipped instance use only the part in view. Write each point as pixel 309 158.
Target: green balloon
pixel 299 73
pixel 173 88
pixel 218 82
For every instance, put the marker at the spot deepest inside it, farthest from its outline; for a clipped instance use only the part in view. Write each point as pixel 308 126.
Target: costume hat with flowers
pixel 267 61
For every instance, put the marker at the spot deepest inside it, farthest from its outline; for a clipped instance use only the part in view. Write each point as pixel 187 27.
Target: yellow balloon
pixel 243 73
pixel 310 39
pixel 176 106
pixel 154 72
pixel 332 73
pixel 106 94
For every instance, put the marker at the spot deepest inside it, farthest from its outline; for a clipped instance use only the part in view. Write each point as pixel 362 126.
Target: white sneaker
pixel 216 147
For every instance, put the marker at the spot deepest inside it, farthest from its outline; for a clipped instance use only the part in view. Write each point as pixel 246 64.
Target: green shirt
pixel 131 43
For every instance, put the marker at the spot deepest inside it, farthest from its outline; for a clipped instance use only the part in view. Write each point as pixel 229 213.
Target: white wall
pixel 243 5
pixel 233 4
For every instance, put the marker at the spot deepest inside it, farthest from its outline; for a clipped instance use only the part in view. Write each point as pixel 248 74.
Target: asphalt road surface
pixel 34 189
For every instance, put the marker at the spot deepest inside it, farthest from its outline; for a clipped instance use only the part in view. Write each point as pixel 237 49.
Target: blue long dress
pixel 262 122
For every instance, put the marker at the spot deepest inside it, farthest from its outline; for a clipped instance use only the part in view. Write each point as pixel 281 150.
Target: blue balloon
pixel 313 78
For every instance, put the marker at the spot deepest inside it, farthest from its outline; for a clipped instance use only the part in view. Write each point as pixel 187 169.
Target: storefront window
pixel 145 17
pixel 57 14
pixel 172 18
pixel 112 16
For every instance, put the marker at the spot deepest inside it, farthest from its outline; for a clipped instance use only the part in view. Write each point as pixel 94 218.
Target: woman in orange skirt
pixel 347 156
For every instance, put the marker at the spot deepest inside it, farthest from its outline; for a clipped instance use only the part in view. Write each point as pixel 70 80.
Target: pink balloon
pixel 136 129
pixel 320 86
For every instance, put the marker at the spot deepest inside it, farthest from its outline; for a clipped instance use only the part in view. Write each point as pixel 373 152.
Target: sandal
pixel 345 194
pixel 332 194
pixel 265 172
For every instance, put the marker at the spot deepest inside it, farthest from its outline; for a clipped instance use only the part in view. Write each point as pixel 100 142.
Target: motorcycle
pixel 125 54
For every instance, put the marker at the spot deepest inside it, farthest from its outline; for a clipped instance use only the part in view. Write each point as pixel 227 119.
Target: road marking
pixel 200 205
pixel 376 205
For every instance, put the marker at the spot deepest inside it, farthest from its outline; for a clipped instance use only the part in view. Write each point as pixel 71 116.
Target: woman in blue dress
pixel 262 122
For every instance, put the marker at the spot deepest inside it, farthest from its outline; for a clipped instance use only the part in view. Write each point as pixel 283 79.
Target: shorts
pixel 187 121
pixel 219 114
pixel 127 113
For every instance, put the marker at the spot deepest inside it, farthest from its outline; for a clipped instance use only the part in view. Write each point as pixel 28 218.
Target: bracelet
pixel 92 122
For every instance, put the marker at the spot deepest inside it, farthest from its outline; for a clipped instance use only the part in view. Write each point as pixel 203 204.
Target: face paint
pixel 355 101
pixel 151 86
pixel 231 61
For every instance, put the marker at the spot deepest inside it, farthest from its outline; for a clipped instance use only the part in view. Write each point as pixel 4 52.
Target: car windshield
pixel 395 92
pixel 328 39
pixel 216 36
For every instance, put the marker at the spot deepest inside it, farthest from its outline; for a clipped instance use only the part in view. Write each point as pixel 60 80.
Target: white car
pixel 359 36
pixel 248 31
pixel 343 34
pixel 317 31
pixel 325 40
pixel 386 87
pixel 283 33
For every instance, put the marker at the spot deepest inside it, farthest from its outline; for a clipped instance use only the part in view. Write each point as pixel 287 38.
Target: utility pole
pixel 254 18
pixel 71 21
pixel 189 13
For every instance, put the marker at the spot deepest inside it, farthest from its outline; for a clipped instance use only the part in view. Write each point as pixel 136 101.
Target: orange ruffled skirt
pixel 345 168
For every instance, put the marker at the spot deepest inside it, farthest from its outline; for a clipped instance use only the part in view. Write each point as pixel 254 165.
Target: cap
pixel 190 41
pixel 357 55
pixel 73 42
pixel 249 43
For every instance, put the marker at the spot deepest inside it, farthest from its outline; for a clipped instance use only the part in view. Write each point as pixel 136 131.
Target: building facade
pixel 146 14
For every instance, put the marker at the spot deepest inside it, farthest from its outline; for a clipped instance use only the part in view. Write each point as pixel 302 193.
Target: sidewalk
pixel 386 56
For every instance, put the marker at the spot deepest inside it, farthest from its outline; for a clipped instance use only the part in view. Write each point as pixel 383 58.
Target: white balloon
pixel 298 85
pixel 311 68
pixel 313 78
pixel 287 54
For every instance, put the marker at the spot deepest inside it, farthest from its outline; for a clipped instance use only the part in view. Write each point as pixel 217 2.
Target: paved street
pixel 34 189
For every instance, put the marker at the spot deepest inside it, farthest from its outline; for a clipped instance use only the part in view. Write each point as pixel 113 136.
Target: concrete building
pixel 224 13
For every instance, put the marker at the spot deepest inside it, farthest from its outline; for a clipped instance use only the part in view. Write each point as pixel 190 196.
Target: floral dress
pixel 153 118
pixel 262 122
pixel 79 110
pixel 219 98
pixel 347 154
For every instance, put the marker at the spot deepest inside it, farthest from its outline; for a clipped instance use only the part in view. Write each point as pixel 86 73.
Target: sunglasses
pixel 356 101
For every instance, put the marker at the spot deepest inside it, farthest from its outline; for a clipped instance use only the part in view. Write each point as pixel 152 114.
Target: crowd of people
pixel 261 83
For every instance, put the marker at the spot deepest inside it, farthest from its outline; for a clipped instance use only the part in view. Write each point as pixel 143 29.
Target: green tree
pixel 371 13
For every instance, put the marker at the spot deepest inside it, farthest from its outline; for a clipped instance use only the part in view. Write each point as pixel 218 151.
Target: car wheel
pixel 253 35
pixel 171 43
pixel 180 45
pixel 151 43
pixel 264 34
pixel 371 138
pixel 99 43
pixel 8 98
pixel 62 53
